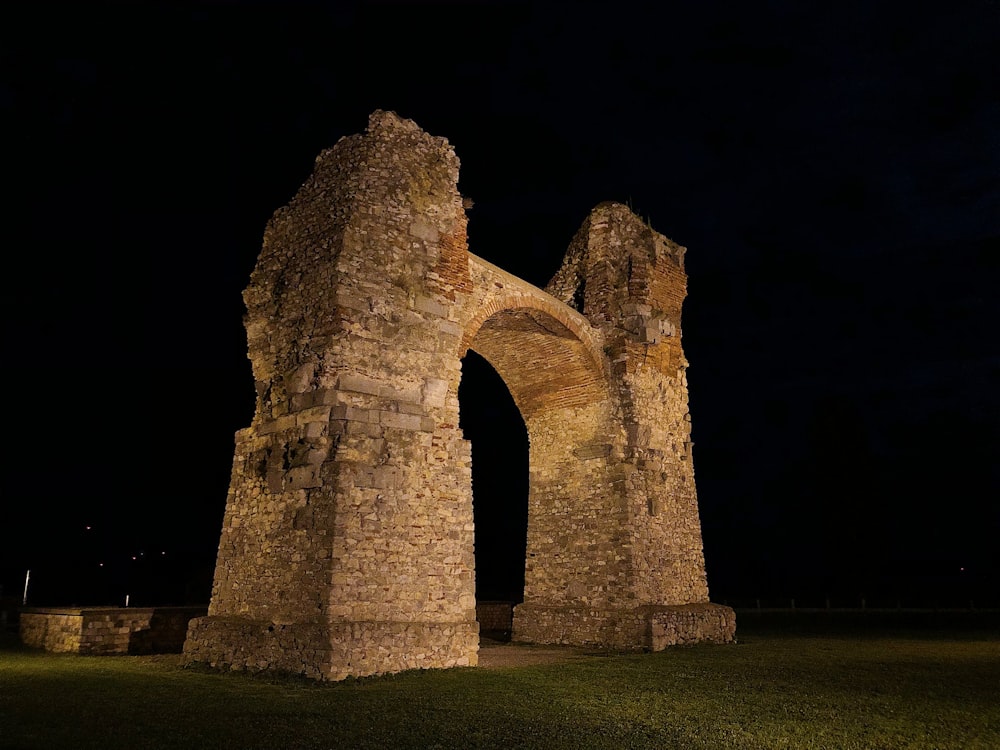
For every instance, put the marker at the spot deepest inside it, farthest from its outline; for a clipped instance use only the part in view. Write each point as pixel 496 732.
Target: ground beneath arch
pixel 501 655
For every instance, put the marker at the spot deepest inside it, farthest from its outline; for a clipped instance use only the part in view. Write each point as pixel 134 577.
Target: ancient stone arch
pixel 347 543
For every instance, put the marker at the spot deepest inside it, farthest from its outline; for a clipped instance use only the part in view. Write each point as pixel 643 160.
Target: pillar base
pixel 649 627
pixel 330 651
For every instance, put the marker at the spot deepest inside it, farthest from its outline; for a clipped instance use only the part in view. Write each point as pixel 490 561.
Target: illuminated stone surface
pixel 107 630
pixel 347 544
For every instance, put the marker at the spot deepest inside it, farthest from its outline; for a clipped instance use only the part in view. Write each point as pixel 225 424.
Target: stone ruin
pixel 347 543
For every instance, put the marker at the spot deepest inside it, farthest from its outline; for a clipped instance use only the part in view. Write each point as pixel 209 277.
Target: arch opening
pixel 543 363
pixel 491 421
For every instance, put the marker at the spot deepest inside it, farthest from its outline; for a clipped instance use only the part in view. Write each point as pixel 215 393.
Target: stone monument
pixel 347 543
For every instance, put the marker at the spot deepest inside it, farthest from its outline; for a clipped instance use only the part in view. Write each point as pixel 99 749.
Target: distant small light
pixel 961 570
pixel 88 528
pixel 133 557
pixel 163 553
pixel 100 565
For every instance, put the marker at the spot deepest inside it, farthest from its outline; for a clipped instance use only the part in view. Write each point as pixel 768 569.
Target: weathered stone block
pixel 399 420
pixel 358 383
pixel 597 450
pixel 313 414
pixel 430 306
pixel 301 477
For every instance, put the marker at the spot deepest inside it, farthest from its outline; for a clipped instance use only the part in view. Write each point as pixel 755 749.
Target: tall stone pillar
pixel 629 281
pixel 347 543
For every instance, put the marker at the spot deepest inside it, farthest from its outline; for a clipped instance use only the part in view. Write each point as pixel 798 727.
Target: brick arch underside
pixel 545 364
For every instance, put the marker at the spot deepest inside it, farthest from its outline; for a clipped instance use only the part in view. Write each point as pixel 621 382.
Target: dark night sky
pixel 834 172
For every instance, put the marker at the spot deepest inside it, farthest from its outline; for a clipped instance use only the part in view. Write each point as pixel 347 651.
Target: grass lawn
pixel 792 682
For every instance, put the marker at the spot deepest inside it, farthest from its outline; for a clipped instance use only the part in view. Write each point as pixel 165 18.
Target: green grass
pixel 790 682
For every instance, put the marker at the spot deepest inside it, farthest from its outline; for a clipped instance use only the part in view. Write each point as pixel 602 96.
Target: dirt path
pixel 498 655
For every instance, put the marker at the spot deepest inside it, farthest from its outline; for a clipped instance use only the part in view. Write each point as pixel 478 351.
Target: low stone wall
pixel 107 630
pixel 495 617
pixel 650 627
pixel 690 623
